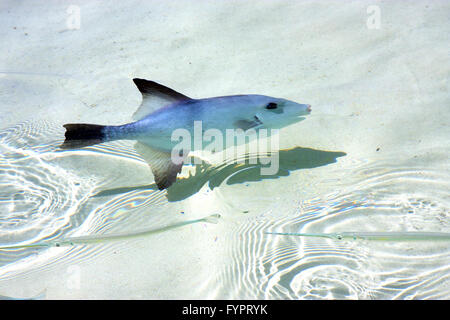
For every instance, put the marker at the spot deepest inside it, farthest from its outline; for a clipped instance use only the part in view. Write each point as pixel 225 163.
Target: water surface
pixel 372 157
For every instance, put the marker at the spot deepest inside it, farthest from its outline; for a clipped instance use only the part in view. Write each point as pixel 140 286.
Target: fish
pixel 40 296
pixel 95 239
pixel 374 236
pixel 164 110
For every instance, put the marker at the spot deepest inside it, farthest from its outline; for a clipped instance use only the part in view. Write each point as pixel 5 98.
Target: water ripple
pixel 381 198
pixel 46 193
pixel 37 197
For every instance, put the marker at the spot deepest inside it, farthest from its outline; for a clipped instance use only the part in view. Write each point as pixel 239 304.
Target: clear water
pixel 372 157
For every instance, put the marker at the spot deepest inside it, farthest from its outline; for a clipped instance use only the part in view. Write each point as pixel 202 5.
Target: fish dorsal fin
pixel 147 87
pixel 154 96
pixel 160 162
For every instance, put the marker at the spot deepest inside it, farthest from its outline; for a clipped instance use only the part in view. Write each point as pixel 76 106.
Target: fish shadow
pixel 237 173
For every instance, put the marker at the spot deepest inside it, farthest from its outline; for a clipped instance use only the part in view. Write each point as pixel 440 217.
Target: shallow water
pixel 372 157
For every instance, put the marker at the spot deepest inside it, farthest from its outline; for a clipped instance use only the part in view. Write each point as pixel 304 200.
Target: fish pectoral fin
pixel 154 96
pixel 163 168
pixel 245 124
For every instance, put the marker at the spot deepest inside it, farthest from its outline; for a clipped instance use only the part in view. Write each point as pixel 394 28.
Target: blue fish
pixel 164 110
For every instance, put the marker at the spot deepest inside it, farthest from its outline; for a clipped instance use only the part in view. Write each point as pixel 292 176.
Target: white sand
pixel 384 88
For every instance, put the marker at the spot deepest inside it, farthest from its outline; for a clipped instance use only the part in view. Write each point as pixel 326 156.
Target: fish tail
pixel 79 135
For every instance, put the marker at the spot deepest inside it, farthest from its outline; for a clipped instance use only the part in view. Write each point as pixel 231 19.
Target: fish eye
pixel 271 105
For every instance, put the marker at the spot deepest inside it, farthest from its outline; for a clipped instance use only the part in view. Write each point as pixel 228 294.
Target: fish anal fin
pixel 164 169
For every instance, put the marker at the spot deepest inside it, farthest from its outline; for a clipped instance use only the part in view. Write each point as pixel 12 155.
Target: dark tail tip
pixel 79 135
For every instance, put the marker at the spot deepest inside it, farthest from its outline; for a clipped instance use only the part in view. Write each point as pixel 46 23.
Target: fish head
pixel 278 112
